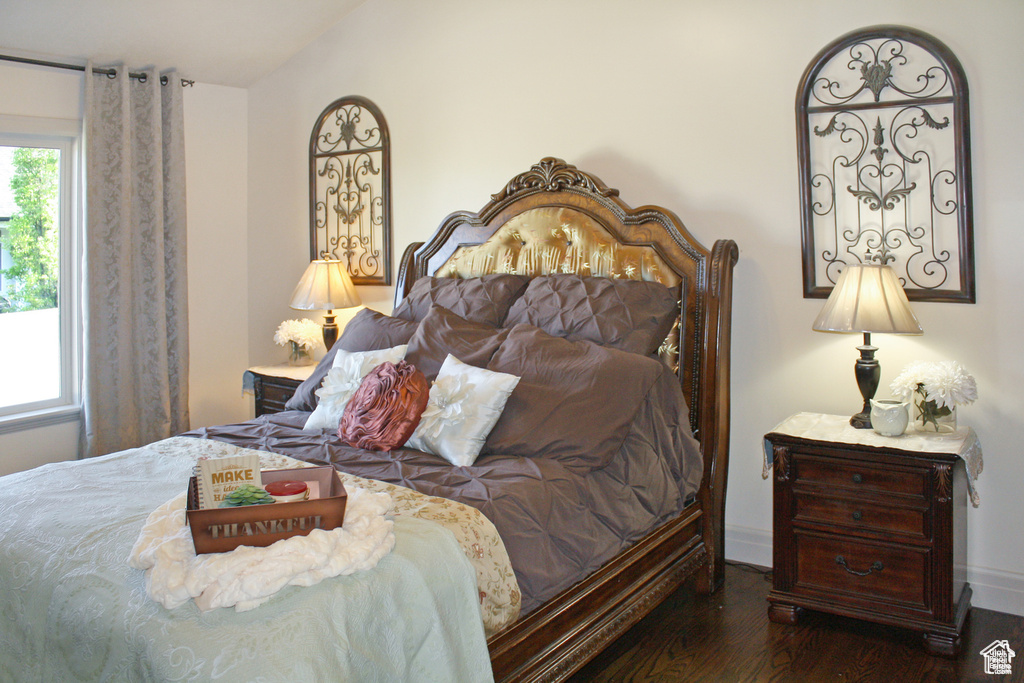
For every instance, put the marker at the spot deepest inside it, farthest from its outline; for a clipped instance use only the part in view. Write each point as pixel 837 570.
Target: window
pixel 38 313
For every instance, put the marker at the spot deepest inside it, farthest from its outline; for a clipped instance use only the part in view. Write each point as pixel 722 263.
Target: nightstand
pixel 872 527
pixel 273 385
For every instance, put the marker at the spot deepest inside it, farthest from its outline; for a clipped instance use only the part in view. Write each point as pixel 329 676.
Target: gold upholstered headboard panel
pixel 555 218
pixel 559 239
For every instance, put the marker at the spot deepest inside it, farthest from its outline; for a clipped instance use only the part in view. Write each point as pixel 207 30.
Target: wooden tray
pixel 218 530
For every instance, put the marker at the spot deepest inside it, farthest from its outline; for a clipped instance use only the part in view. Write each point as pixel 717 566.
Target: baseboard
pixel 752 546
pixel 994 589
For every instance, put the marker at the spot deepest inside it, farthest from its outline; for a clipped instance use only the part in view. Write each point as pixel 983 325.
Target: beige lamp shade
pixel 324 286
pixel 867 298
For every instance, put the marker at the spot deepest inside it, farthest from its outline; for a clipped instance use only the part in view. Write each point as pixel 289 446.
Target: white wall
pixel 215 142
pixel 688 104
pixel 216 137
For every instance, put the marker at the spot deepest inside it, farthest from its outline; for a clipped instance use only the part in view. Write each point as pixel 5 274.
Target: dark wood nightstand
pixel 273 385
pixel 871 527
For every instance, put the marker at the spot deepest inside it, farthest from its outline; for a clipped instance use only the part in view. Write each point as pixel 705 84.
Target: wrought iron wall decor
pixel 350 189
pixel 885 170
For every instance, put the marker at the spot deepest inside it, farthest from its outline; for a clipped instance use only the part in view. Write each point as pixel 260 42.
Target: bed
pixel 604 475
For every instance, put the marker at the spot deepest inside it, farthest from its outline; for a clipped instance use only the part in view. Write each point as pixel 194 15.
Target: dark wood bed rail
pixel 716 400
pixel 563 634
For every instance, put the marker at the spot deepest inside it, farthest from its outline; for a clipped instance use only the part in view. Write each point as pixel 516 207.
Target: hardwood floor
pixel 727 637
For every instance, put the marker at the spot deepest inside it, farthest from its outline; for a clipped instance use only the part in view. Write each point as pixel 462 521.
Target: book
pixel 217 477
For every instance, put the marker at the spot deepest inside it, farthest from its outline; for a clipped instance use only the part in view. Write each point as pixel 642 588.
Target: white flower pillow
pixel 342 380
pixel 464 404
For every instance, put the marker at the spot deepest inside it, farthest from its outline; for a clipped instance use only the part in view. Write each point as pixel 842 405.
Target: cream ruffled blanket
pixel 247 577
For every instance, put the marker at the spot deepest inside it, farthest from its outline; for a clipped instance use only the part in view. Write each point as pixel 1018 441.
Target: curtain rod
pixel 109 73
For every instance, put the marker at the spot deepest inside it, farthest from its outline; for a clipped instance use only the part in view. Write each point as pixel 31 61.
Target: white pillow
pixel 464 404
pixel 341 382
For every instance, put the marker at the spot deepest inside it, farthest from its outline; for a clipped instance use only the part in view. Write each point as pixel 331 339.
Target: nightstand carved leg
pixel 942 644
pixel 784 614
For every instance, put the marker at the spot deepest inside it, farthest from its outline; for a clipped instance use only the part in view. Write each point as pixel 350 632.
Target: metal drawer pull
pixel 857 479
pixel 857 515
pixel 876 567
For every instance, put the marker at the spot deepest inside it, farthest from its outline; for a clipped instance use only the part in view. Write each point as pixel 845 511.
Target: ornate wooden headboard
pixel 556 218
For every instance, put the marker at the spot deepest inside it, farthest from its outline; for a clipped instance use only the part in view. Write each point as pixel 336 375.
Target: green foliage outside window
pixel 32 235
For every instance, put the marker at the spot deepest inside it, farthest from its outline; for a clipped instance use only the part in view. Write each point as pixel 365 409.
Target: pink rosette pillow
pixel 386 408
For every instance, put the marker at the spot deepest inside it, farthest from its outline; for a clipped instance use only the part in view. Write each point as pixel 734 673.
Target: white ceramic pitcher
pixel 890 417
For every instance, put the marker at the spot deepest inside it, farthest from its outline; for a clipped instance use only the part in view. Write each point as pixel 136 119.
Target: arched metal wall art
pixel 350 189
pixel 885 169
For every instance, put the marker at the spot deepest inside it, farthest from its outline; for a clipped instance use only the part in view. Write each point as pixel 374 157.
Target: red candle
pixel 288 490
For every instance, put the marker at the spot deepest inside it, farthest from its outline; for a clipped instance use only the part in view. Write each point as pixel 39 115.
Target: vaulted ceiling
pixel 224 42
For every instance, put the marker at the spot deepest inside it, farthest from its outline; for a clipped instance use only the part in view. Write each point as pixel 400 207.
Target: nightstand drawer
pixel 858 514
pixel 861 571
pixel 277 393
pixel 857 477
pixel 273 391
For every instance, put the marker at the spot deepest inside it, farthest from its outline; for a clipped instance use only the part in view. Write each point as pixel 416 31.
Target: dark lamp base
pixel 868 373
pixel 330 330
pixel 861 421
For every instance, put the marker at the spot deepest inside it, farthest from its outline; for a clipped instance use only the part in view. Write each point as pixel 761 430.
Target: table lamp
pixel 325 286
pixel 867 298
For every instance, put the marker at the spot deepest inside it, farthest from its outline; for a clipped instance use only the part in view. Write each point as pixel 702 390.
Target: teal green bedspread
pixel 72 609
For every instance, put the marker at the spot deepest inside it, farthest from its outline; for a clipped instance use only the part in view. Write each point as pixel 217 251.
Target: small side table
pixel 872 527
pixel 273 385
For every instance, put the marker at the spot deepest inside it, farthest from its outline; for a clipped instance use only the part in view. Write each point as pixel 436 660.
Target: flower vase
pixel 298 355
pixel 931 418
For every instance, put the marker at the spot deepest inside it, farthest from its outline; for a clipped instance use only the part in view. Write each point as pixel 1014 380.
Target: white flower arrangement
pixel 301 336
pixel 304 333
pixel 936 388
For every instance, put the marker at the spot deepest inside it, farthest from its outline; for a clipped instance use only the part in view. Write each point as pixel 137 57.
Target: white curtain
pixel 135 336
